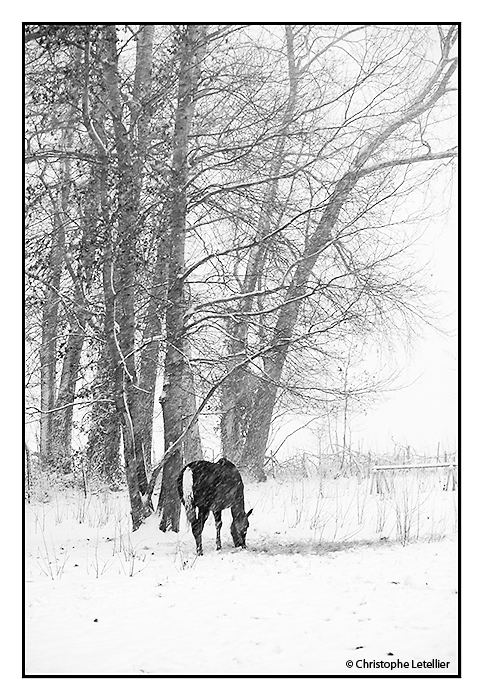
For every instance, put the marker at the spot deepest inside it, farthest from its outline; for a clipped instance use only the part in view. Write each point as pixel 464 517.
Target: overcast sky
pixel 424 413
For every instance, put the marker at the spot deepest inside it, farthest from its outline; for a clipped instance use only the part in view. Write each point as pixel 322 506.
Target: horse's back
pixel 216 485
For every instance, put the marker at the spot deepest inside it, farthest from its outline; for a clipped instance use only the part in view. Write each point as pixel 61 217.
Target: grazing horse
pixel 205 486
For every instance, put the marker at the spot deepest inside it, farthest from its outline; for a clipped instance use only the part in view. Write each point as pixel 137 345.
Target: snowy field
pixel 333 575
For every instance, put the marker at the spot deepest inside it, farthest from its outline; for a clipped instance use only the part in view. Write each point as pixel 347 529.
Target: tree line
pixel 228 210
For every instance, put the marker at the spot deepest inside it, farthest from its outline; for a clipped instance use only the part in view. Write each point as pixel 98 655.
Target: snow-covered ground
pixel 326 581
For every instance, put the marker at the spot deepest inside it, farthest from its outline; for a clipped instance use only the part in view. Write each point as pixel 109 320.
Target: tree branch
pixel 45 155
pixel 85 105
pixel 451 153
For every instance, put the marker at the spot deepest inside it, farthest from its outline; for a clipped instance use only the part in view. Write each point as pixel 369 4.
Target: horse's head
pixel 239 529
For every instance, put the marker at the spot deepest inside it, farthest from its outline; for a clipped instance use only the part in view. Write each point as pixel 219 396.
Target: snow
pixel 325 579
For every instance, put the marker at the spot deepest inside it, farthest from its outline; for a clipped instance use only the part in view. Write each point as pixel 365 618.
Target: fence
pixel 379 480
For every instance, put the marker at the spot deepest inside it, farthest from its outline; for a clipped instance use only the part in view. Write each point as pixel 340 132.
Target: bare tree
pixel 364 163
pixel 175 397
pixel 227 207
pixel 69 254
pixel 337 180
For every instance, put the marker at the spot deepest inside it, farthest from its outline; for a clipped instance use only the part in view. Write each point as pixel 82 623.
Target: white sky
pixel 425 411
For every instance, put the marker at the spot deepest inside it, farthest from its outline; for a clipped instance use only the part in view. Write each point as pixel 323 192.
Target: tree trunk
pixel 63 415
pixel 239 391
pixel 120 264
pixel 142 401
pixel 118 374
pixel 260 418
pixel 174 398
pixel 255 443
pixel 56 433
pixel 104 441
pixel 64 409
pixel 148 372
pixel 47 375
pixel 192 446
pixel 150 347
pixel 48 347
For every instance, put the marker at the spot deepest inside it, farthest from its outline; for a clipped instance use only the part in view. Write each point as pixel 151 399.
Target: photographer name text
pixel 397 664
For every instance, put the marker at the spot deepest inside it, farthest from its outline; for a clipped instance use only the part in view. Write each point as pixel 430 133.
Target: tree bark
pixel 64 409
pixel 174 399
pixel 48 347
pixel 151 343
pixel 192 446
pixel 104 441
pixel 104 445
pixel 118 373
pixel 120 266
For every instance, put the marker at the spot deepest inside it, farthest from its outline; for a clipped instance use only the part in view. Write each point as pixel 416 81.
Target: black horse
pixel 205 486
